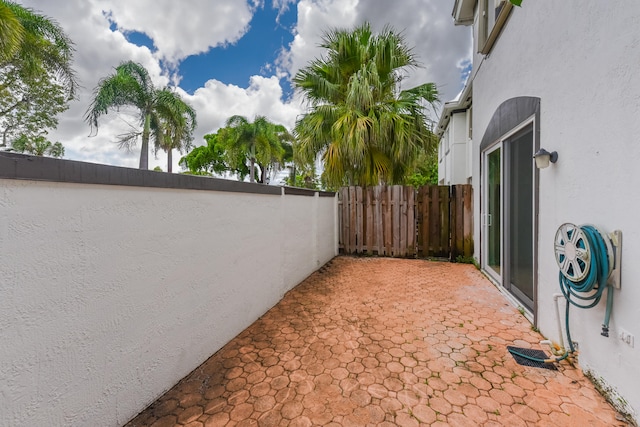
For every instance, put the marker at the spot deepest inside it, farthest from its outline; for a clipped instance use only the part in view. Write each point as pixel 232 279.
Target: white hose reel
pixel 573 253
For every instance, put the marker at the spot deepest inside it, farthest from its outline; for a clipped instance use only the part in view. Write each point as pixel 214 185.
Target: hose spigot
pixel 605 331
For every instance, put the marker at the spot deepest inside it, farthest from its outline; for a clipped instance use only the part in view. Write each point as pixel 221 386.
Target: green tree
pixel 424 170
pixel 39 146
pixel 178 121
pixel 11 32
pixel 32 45
pixel 36 78
pixel 30 106
pixel 159 110
pixel 368 130
pixel 212 158
pixel 258 142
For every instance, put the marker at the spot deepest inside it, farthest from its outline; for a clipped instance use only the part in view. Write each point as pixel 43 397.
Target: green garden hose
pixel 585 293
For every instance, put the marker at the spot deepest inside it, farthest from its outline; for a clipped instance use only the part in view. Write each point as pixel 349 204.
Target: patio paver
pixel 386 342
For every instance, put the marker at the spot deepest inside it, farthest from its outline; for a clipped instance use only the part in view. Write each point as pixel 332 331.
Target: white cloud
pixel 426 25
pixel 179 30
pixel 315 17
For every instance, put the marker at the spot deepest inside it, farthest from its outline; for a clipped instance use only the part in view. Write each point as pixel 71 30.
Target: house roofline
pixel 463 12
pixel 458 105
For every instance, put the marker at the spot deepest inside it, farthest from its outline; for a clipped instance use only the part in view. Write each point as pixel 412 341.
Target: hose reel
pixel 589 263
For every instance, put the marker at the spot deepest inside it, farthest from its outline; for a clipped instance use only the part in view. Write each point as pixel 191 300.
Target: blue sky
pixel 269 32
pixel 254 53
pixel 232 56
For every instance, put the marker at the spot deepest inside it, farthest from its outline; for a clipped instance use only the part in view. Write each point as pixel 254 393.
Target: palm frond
pixel 127 141
pixel 359 118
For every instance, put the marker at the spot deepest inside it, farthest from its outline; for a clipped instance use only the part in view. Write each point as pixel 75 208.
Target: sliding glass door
pixel 493 211
pixel 508 214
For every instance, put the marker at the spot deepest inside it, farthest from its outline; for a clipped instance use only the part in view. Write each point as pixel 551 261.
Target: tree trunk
pixel 144 151
pixel 169 160
pixel 252 170
pixel 263 174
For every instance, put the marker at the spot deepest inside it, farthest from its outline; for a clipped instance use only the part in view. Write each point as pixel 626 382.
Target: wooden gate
pixel 432 221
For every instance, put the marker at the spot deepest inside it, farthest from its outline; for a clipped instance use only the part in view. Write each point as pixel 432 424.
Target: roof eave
pixel 463 12
pixel 451 107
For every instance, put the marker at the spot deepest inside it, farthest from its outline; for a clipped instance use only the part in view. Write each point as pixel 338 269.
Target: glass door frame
pixel 486 219
pixel 505 170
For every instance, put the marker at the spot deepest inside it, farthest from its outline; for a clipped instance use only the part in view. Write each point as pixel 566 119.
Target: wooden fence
pixel 432 221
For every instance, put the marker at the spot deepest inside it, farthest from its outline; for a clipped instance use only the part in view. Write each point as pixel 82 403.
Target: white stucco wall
pixel 582 60
pixel 453 161
pixel 109 295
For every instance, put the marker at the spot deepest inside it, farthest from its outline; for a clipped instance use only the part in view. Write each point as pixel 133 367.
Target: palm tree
pixel 258 142
pixel 131 85
pixel 35 45
pixel 368 130
pixel 11 32
pixel 178 123
pixel 273 154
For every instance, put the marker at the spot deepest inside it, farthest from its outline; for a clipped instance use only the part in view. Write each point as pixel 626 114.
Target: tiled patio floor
pixel 373 341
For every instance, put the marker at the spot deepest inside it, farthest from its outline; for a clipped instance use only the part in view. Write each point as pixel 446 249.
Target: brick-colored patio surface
pixel 373 341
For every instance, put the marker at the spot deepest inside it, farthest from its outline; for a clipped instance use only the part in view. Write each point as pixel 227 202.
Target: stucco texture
pixel 111 294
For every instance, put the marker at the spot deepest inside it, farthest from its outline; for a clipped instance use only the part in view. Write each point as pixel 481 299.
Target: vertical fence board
pixel 388 218
pixel 468 220
pixel 395 231
pixel 404 223
pixel 359 222
pixel 459 215
pixel 434 222
pixel 456 222
pixel 377 218
pixel 368 220
pixel 410 197
pixel 352 220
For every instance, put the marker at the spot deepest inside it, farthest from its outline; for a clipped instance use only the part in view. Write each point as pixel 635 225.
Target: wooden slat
pixel 352 219
pixel 459 225
pixel 358 220
pixel 377 217
pixel 388 222
pixel 368 220
pixel 468 220
pixel 402 214
pixel 410 197
pixel 436 247
pixel 454 223
pixel 424 223
pixel 339 219
pixel 445 226
pixel 395 232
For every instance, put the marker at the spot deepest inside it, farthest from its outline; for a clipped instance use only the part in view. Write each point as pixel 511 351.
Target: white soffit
pixel 463 11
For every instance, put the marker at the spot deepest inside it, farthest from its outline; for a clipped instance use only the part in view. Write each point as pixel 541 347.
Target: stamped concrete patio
pixel 387 342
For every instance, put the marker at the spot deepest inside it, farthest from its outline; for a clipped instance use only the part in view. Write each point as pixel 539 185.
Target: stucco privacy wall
pixel 109 294
pixel 581 59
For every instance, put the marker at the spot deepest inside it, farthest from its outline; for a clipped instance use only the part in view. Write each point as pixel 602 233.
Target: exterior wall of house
pixel 582 61
pixel 453 165
pixel 111 294
pixel 444 159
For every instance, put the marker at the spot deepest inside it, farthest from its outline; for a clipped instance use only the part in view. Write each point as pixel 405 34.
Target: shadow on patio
pixel 375 341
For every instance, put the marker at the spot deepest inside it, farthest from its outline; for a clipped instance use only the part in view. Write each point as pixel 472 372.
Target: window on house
pixel 492 15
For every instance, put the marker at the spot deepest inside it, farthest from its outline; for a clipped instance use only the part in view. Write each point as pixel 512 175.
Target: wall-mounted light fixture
pixel 543 157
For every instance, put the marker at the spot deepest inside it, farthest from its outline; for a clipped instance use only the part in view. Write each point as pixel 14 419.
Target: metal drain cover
pixel 538 354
